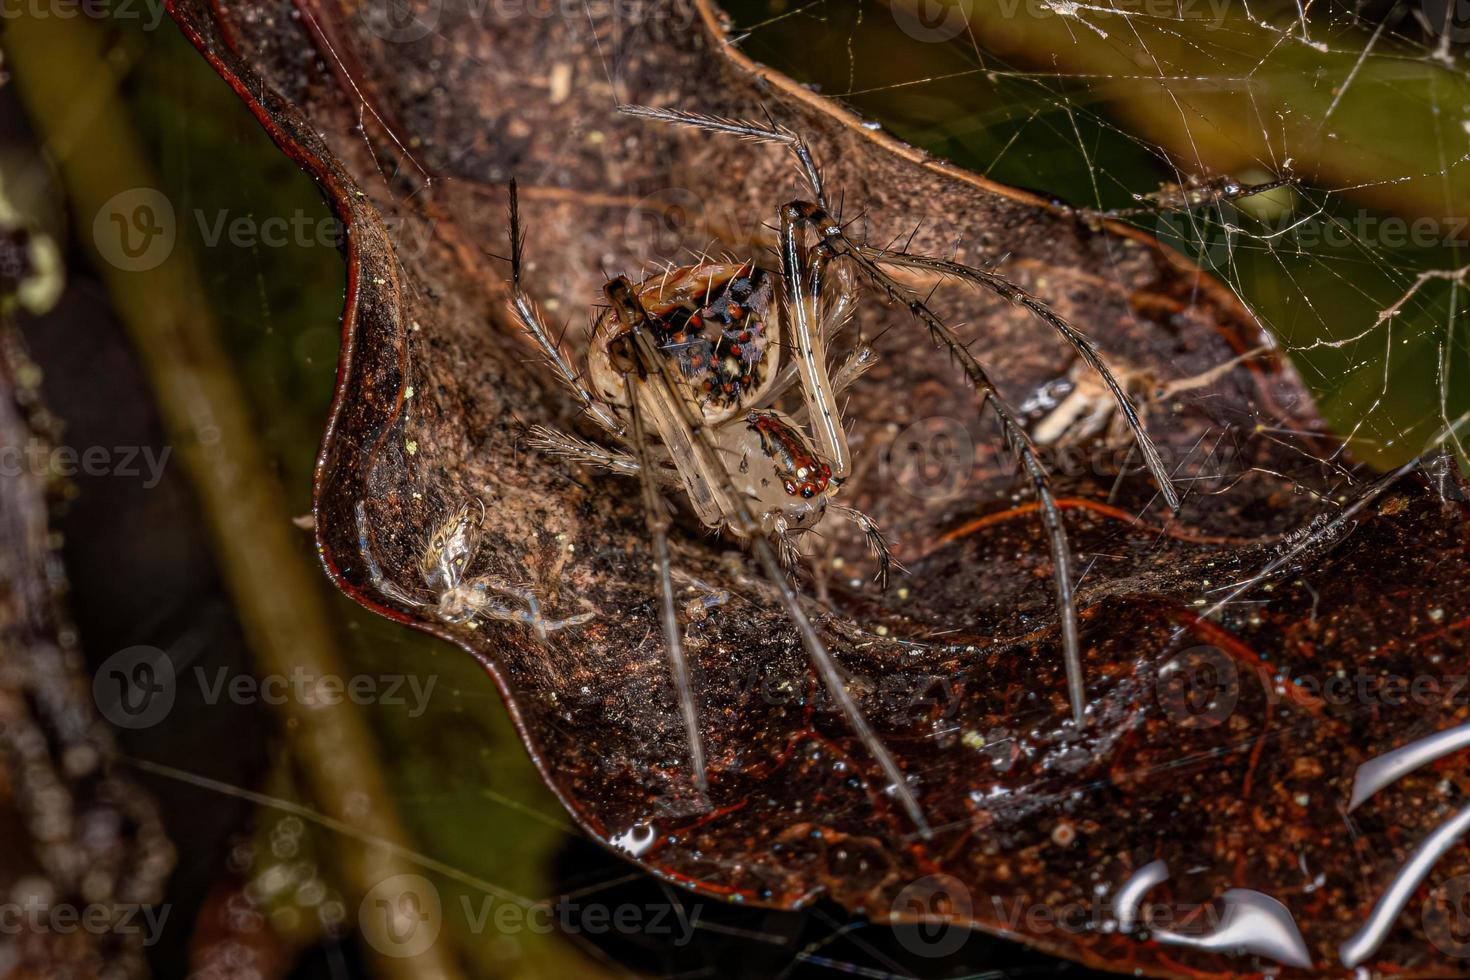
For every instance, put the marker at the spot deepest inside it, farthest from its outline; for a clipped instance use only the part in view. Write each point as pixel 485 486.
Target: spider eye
pixel 807 490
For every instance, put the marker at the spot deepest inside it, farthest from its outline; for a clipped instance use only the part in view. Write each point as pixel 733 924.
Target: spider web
pixel 1356 268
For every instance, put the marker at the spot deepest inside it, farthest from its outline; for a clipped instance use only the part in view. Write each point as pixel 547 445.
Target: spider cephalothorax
pixel 685 370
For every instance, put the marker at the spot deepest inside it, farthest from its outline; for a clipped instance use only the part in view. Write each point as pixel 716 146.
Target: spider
pixel 449 553
pixel 693 358
pixel 1087 410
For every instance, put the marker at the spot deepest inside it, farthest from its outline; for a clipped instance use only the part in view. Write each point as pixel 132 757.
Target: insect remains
pixel 1087 411
pixel 684 370
pixel 460 600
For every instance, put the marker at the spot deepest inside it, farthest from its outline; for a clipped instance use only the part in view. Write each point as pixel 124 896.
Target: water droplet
pixel 635 840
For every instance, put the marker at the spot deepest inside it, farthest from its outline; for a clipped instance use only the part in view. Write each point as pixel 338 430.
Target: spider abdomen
pixel 716 323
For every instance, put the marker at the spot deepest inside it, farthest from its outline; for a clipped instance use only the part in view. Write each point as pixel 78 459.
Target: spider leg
pixel 786 549
pixel 376 577
pixel 803 277
pixel 554 442
pixel 877 541
pixel 526 311
pixel 1003 287
pixel 529 616
pixel 655 512
pixel 858 362
pixel 655 377
pixel 664 406
pixel 755 132
pixel 833 238
pixel 855 365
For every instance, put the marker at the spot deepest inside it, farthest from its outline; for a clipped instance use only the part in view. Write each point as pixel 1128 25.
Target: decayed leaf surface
pixel 1217 746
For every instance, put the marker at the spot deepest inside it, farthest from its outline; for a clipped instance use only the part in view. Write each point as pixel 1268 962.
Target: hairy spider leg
pixel 526 311
pixel 803 280
pixel 1016 439
pixel 656 514
pixel 1003 287
pixel 835 318
pixel 554 442
pixel 874 537
pixel 376 578
pixel 805 271
pixel 770 133
pixel 652 377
